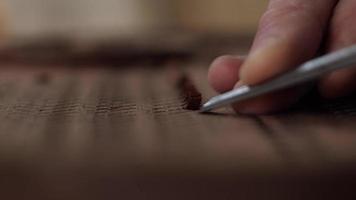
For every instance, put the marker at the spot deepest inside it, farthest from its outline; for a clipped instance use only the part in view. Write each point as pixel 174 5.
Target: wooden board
pixel 124 133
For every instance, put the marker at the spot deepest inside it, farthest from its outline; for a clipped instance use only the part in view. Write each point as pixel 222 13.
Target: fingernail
pixel 239 84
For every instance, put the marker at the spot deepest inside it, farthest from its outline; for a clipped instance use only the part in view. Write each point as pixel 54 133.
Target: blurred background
pixel 120 32
pixel 116 18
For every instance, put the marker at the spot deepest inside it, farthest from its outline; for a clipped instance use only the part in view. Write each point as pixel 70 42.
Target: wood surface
pixel 101 132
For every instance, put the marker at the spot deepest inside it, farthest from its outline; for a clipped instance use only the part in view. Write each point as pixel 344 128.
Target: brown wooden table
pixel 123 132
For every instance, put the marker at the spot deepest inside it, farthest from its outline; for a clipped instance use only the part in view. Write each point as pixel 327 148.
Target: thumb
pixel 290 32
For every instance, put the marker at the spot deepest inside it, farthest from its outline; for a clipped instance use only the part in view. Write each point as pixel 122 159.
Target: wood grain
pixel 90 133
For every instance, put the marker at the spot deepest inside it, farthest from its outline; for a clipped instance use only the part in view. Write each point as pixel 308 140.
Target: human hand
pixel 290 33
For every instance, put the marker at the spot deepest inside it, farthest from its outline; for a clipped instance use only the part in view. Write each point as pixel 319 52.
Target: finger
pixel 290 33
pixel 269 103
pixel 224 73
pixel 285 29
pixel 342 33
